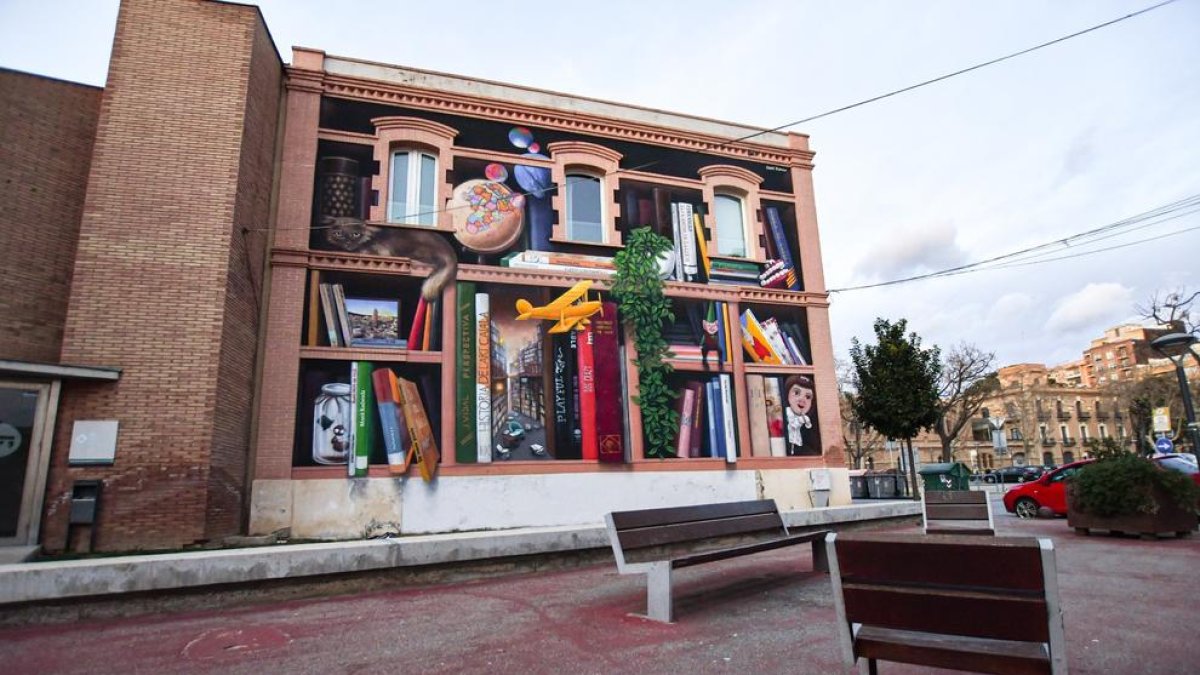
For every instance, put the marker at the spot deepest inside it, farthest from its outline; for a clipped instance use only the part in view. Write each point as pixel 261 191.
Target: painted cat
pixel 355 236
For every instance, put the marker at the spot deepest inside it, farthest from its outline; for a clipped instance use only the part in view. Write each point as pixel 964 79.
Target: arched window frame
pixel 595 161
pixel 742 184
pixel 412 135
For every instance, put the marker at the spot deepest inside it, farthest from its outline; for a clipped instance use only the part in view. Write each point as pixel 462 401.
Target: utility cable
pixel 873 99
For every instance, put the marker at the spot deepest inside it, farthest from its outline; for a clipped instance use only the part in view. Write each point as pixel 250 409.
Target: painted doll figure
pixel 799 396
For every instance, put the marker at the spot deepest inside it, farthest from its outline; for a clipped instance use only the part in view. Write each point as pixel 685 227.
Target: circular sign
pixel 1164 445
pixel 10 439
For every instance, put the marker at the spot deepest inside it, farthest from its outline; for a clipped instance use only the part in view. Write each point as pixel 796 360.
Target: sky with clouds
pixel 1066 139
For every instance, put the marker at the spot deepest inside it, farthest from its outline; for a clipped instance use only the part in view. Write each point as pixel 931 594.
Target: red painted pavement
pixel 1131 607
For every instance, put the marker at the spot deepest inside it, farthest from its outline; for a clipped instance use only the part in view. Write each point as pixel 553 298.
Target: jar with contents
pixel 332 424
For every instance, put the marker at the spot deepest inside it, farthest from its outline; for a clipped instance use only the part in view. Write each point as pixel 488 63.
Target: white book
pixel 517 263
pixel 483 379
pixel 727 411
pixel 770 329
pixel 687 237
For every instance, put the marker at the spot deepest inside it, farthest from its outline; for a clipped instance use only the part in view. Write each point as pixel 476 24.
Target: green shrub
pixel 1125 484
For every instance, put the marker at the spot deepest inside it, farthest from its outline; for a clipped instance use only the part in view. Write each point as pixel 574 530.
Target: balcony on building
pixel 1068 441
pixel 1048 442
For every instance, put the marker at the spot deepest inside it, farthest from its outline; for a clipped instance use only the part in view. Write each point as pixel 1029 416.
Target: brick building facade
pixel 170 277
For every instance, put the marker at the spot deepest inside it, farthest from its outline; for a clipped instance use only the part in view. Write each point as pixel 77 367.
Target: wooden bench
pixel 987 605
pixel 656 541
pixel 958 512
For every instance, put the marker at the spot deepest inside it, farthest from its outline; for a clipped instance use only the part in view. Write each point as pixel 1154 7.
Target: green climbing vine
pixel 646 310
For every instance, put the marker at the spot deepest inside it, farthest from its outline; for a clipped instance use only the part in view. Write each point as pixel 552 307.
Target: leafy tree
pixel 967 381
pixel 897 383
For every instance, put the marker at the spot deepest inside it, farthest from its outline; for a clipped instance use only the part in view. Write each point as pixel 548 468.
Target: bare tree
pixel 1019 402
pixel 967 381
pixel 1173 308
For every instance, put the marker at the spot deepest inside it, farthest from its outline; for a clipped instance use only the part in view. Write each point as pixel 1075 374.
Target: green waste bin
pixel 946 476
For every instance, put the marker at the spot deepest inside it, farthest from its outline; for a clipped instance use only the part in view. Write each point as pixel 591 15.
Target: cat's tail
pixel 445 270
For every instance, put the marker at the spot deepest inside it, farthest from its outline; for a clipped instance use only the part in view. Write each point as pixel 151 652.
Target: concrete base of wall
pixel 101 577
pixel 342 509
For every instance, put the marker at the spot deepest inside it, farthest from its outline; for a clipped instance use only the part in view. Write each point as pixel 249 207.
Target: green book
pixel 366 419
pixel 464 408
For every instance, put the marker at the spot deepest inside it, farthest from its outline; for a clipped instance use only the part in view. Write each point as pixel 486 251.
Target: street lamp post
pixel 1185 340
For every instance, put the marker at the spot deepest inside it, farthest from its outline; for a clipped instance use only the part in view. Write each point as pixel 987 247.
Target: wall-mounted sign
pixel 93 442
pixel 1162 419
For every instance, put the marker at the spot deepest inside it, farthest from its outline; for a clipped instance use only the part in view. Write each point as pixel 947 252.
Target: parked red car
pixel 1050 491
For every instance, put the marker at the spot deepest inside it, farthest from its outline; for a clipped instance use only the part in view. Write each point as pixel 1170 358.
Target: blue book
pixel 722 348
pixel 718 419
pixel 781 243
pixel 712 416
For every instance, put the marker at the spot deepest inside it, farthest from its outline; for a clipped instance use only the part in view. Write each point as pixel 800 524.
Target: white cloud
pixel 912 251
pixel 1094 307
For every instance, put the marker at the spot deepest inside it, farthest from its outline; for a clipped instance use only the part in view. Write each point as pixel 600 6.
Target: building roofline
pixel 48 77
pixel 418 77
pixel 58 370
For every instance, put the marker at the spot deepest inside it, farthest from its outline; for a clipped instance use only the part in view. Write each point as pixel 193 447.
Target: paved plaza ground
pixel 1131 606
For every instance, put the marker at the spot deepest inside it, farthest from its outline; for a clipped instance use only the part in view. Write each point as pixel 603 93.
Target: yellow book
pixel 699 227
pixel 761 345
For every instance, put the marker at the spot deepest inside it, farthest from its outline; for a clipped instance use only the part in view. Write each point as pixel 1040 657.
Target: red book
pixel 697 437
pixel 610 427
pixel 587 394
pixel 417 332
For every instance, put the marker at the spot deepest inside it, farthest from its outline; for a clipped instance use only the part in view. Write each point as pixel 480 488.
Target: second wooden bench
pixel 656 541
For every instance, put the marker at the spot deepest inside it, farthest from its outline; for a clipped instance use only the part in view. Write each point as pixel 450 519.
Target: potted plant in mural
pixel 1122 492
pixel 638 290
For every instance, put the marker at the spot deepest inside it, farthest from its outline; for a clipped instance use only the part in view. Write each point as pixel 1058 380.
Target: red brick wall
pixel 228 488
pixel 162 287
pixel 46 132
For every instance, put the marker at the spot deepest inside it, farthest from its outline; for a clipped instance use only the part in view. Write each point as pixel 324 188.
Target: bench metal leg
pixel 820 556
pixel 872 669
pixel 658 592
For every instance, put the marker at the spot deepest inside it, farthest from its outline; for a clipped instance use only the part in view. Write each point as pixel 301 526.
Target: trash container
pixel 946 476
pixel 882 485
pixel 858 487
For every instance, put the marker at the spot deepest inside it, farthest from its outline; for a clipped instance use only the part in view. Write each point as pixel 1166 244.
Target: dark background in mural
pixel 356 116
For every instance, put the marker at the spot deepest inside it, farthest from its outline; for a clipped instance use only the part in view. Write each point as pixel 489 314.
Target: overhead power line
pixel 1036 254
pixel 851 106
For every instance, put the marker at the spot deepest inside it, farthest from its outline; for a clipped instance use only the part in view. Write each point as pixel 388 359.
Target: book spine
pixel 625 409
pixel 711 410
pixel 328 310
pixel 399 464
pixel 416 332
pixel 697 438
pixel 701 244
pixel 683 443
pixel 727 410
pixel 748 340
pixel 774 404
pixel 756 405
pixel 688 241
pixel 419 429
pixel 781 243
pixel 629 209
pixel 770 330
pixel 587 394
pixel 609 433
pixel 722 345
pixel 517 263
pixel 363 423
pixel 339 300
pixel 551 258
pixel 677 243
pixel 387 412
pixel 718 419
pixel 430 311
pixel 465 451
pixel 483 379
pixel 573 360
pixel 662 211
pixel 561 398
pixel 762 346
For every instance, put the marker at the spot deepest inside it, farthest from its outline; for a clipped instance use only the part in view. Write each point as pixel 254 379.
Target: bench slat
pixel 956 511
pixel 623 520
pixel 632 539
pixel 956 560
pixel 955 497
pixel 967 613
pixel 954 527
pixel 955 653
pixel 711 556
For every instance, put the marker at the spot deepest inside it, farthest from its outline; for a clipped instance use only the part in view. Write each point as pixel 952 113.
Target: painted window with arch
pixel 585 206
pixel 411 194
pixel 730 212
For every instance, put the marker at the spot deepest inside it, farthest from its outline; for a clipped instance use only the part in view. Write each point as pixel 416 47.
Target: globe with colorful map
pixel 487 215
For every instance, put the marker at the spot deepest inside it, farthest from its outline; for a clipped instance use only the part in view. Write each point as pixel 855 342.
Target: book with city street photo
pixel 374 322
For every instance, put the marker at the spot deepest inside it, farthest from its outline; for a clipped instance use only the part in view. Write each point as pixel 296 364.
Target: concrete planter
pixel 1169 518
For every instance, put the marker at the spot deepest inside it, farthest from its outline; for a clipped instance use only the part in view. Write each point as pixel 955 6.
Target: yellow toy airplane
pixel 564 309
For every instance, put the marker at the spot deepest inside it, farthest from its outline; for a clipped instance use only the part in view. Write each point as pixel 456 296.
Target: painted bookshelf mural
pixel 419 328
